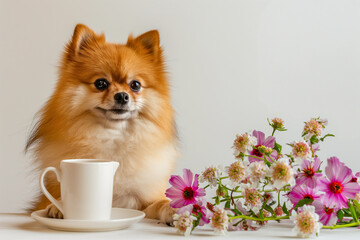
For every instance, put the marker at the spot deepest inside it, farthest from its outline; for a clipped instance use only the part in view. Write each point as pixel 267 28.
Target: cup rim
pixel 87 161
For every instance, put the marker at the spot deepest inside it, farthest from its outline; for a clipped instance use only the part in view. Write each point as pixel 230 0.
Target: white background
pixel 232 64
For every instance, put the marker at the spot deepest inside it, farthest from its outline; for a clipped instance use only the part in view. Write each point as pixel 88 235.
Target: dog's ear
pixel 148 43
pixel 82 39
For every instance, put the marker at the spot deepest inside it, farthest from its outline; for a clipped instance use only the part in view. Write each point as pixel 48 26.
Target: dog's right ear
pixel 83 39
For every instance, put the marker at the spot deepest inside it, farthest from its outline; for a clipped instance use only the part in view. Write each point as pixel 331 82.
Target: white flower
pixel 306 222
pixel 300 150
pixel 257 171
pixel 210 175
pixel 243 143
pixel 282 174
pixel 219 221
pixel 252 200
pixel 184 222
pixel 236 172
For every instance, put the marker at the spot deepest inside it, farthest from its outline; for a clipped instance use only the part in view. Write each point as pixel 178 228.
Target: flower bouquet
pixel 265 184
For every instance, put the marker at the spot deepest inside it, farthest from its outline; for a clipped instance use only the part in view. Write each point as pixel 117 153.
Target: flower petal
pixel 173 193
pixel 341 200
pixel 343 174
pixel 351 189
pixel 188 177
pixel 333 165
pixel 305 164
pixel 317 163
pixel 323 184
pixel 196 183
pixel 177 203
pixel 201 192
pixel 177 182
pixel 252 159
pixel 269 142
pixel 260 137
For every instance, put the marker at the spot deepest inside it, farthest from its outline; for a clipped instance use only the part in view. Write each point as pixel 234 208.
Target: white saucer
pixel 120 218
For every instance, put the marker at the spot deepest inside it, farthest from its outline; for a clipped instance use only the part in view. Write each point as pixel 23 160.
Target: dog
pixel 111 101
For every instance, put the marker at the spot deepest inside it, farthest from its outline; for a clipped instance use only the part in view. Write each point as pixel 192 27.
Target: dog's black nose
pixel 121 98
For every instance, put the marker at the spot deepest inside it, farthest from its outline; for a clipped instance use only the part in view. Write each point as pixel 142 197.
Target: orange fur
pixel 70 126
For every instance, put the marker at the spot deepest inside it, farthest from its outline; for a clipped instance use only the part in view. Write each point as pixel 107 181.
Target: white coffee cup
pixel 86 188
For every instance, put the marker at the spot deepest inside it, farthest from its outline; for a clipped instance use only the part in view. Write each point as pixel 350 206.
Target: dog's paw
pixel 53 212
pixel 167 216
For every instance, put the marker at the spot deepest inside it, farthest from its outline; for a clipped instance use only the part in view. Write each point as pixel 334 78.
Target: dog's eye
pixel 135 85
pixel 101 84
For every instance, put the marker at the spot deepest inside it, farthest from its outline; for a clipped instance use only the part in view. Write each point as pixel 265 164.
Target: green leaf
pixel 284 208
pixel 347 212
pixel 269 122
pixel 314 140
pixel 227 204
pixel 340 215
pixel 357 207
pixel 303 202
pixel 261 215
pixel 225 191
pixel 269 209
pixel 352 210
pixel 277 147
pixel 327 135
pixel 237 212
pixel 217 200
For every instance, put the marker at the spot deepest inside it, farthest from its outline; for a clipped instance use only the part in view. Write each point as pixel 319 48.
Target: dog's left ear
pixel 148 43
pixel 82 40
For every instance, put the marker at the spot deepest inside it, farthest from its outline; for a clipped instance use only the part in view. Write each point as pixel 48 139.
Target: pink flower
pixel 184 191
pixel 326 214
pixel 338 187
pixel 261 141
pixel 196 209
pixel 308 174
pixel 301 192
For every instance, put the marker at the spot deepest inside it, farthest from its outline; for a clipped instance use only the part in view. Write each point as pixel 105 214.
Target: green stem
pixel 354 224
pixel 206 186
pixel 272 134
pixel 255 157
pixel 239 191
pixel 258 219
pixel 279 197
pixel 231 189
pixel 227 199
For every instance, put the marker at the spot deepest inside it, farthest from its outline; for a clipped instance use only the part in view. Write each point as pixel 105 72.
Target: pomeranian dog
pixel 112 102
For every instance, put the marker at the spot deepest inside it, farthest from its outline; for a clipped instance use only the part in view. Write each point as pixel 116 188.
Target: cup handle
pixel 45 191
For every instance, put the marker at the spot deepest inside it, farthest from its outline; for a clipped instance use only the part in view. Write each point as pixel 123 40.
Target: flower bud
pixel 220 192
pixel 278 211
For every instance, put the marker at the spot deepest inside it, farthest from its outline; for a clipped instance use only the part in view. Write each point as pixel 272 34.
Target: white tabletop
pixel 22 226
